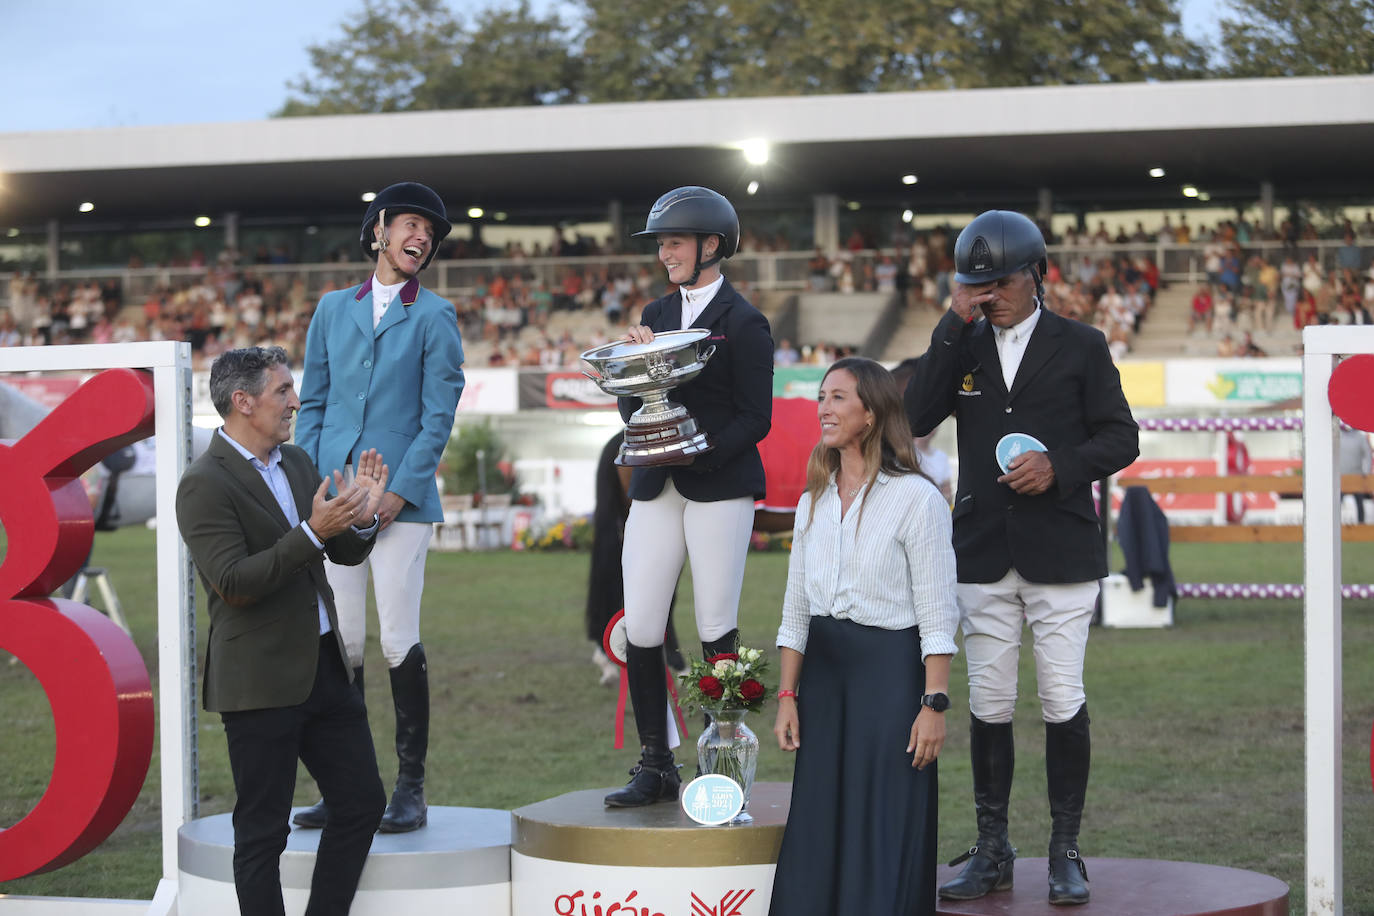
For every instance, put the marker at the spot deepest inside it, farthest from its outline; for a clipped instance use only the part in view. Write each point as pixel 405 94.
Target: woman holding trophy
pixel 695 497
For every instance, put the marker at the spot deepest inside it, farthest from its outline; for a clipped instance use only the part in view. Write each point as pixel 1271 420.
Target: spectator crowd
pixel 513 315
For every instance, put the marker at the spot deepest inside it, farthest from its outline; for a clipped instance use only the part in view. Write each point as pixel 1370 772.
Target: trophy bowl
pixel 659 432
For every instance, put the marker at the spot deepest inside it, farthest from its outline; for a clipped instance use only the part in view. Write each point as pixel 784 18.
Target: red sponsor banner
pixel 574 391
pixel 1204 467
pixel 786 449
pixel 48 390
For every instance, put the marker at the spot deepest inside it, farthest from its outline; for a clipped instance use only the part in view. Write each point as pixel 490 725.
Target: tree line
pixel 418 55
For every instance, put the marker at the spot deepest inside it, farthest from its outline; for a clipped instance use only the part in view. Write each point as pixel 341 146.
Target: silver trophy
pixel 660 432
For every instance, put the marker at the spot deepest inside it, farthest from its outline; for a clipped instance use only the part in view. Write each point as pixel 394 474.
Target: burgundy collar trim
pixel 409 293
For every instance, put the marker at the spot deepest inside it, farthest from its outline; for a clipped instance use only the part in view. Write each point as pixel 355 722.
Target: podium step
pixel 1133 887
pixel 458 862
pixel 572 854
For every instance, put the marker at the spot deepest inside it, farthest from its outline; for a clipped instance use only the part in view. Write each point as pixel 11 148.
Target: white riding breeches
pixel 1059 616
pixel 660 534
pixel 397 563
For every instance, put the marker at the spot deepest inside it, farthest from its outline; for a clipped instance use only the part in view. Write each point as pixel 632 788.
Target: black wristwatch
pixel 936 701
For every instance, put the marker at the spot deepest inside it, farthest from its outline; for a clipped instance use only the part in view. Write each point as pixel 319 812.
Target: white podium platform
pixel 458 863
pixel 571 856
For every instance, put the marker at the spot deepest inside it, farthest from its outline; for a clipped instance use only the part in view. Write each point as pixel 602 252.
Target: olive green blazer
pixel 261 577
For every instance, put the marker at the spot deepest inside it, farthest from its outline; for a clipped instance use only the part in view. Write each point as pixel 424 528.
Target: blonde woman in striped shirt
pixel 866 638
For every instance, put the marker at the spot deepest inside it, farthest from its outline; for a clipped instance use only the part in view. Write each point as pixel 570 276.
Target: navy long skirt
pixel 861 833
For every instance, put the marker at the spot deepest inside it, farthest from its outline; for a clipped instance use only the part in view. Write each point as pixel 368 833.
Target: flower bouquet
pixel 731 681
pixel 728 686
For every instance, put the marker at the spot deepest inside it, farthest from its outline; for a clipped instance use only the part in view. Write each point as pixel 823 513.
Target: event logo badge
pixel 1012 445
pixel 713 799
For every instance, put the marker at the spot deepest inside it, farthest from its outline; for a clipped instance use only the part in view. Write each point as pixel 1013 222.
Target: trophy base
pixel 665 444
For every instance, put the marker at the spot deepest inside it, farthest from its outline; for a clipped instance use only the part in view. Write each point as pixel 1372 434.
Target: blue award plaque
pixel 712 799
pixel 1013 444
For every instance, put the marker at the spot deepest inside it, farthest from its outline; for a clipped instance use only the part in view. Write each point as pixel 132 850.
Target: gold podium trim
pixel 578 827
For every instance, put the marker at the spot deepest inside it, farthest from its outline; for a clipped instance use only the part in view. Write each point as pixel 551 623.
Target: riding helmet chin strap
pixel 384 245
pixel 701 265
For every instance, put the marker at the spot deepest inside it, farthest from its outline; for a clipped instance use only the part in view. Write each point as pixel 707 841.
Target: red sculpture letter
pixel 94 678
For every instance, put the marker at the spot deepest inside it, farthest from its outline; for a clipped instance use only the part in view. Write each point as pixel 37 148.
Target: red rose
pixel 751 690
pixel 712 687
pixel 722 657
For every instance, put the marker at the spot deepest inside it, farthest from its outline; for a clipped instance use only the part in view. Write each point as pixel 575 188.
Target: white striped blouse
pixel 888 563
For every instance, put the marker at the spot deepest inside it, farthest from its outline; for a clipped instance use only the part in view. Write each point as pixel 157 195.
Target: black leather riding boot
pixel 317 815
pixel 410 696
pixel 729 643
pixel 720 646
pixel 655 777
pixel 1068 753
pixel 991 859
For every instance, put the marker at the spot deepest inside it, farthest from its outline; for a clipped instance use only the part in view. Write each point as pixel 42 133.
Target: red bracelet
pixel 787 693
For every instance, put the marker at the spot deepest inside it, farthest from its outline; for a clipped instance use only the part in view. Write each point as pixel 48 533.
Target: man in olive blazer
pixel 256 518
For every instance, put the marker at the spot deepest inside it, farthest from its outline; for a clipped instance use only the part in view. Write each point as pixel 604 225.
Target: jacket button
pixel 363 394
pixel 367 364
pixel 1008 409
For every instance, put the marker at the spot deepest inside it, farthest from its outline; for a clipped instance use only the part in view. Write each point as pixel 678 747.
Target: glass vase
pixel 730 748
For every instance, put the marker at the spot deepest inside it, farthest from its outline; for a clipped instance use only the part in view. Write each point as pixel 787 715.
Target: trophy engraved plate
pixel 659 432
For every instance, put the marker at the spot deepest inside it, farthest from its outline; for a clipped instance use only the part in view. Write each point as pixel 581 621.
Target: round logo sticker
pixel 712 799
pixel 1013 444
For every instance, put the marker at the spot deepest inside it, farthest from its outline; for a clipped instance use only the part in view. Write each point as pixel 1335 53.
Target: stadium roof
pixel 1091 146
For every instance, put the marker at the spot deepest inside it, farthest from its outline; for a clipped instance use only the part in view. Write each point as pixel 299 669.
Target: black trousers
pixel 330 735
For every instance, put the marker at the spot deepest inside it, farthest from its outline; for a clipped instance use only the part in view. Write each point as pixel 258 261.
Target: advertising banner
pixel 562 390
pixel 48 390
pixel 798 382
pixel 487 391
pixel 1232 382
pixel 1143 383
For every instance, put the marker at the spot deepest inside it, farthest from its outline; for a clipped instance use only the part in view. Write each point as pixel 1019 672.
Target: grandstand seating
pixel 1165 335
pixel 172 301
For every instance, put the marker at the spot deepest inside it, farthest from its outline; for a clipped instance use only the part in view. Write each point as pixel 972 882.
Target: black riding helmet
pixel 695 211
pixel 405 197
pixel 997 244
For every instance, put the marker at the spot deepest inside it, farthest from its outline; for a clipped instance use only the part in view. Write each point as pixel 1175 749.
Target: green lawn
pixel 1198 749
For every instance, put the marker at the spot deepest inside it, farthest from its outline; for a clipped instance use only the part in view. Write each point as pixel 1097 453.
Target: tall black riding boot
pixel 410 696
pixel 1068 752
pixel 655 777
pixel 728 643
pixel 317 815
pixel 991 859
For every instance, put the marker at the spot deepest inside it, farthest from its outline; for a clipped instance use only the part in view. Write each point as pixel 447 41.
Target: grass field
pixel 1198 730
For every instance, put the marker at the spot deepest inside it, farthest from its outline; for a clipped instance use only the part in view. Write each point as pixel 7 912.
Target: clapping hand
pixel 371 476
pixel 356 503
